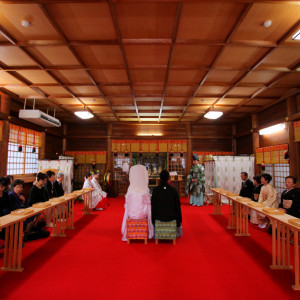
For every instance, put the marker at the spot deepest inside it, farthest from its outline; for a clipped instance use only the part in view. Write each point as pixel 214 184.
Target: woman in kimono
pixel 267 196
pixel 256 192
pixel 103 203
pixel 96 197
pixel 195 182
pixel 137 200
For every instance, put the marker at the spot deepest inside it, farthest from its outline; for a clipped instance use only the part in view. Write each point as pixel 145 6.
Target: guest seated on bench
pixel 290 198
pixel 49 186
pixel 137 200
pixel 37 192
pixel 165 203
pixel 57 185
pixel 16 199
pixel 4 208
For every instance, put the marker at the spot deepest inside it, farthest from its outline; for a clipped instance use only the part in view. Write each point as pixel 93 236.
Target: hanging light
pixel 213 114
pixel 83 114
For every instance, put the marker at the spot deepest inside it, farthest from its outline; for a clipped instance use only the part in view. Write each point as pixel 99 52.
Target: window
pixel 278 172
pixel 25 161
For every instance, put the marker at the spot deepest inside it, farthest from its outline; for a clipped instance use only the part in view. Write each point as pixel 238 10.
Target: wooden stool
pixel 165 231
pixel 137 230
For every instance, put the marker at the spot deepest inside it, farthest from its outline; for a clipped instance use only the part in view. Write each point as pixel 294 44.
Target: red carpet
pixel 92 262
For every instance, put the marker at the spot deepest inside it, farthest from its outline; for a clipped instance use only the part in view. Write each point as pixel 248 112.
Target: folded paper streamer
pixel 22 212
pixel 41 204
pixel 272 211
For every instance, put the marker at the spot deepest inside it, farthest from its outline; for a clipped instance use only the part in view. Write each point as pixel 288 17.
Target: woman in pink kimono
pixel 137 199
pixel 267 196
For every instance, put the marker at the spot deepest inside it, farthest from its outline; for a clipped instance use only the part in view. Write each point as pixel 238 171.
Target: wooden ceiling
pixel 150 61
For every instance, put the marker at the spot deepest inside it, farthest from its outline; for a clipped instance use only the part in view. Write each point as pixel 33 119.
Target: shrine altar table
pixel 62 216
pixel 282 226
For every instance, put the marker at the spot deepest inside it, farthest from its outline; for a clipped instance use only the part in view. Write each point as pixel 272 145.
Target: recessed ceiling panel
pixel 80 21
pixel 152 20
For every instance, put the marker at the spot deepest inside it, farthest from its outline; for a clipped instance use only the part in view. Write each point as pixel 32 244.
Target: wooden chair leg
pixel 146 241
pixel 174 242
pixel 128 241
pixel 156 241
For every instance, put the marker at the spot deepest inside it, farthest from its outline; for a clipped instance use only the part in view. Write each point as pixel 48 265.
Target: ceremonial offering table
pixel 63 217
pixel 282 226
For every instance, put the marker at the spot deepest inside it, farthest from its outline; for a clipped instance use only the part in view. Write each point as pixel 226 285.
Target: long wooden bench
pixel 282 226
pixel 62 216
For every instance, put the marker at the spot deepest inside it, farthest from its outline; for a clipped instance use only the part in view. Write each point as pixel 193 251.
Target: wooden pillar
pixel 4 148
pixel 5 104
pixel 109 154
pixel 255 140
pixel 234 139
pixel 5 111
pixel 189 148
pixel 64 147
pixel 43 146
pixel 293 149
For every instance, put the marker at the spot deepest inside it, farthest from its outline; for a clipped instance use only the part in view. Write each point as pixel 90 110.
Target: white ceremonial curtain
pixel 209 176
pixel 65 166
pixel 228 171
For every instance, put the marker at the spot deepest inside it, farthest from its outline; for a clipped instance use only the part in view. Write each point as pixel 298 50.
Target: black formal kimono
pixel 36 194
pixel 58 189
pixel 293 195
pixel 165 204
pixel 14 201
pixel 256 190
pixel 247 189
pixel 49 190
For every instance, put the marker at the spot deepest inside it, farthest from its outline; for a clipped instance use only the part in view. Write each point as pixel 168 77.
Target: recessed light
pixel 267 23
pixel 26 23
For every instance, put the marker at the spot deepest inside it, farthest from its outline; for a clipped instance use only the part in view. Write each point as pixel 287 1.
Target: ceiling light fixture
pixel 149 134
pixel 25 23
pixel 296 36
pixel 272 129
pixel 267 23
pixel 213 114
pixel 84 114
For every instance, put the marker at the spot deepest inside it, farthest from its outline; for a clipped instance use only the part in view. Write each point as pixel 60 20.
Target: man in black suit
pixel 57 185
pixel 165 202
pixel 247 186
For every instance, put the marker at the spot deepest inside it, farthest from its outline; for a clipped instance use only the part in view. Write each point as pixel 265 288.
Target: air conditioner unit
pixel 38 117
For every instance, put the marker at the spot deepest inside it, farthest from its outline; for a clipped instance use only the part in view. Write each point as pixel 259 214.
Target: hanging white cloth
pixel 96 197
pixel 137 199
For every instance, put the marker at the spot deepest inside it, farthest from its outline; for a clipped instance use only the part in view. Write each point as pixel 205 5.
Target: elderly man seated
pixel 165 203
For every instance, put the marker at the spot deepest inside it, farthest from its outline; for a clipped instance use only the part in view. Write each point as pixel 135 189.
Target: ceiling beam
pixel 114 17
pixel 65 39
pixel 228 40
pixel 171 53
pixel 254 67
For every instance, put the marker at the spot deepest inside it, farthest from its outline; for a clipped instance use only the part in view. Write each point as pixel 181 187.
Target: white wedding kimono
pixel 137 199
pixel 96 197
pixel 97 187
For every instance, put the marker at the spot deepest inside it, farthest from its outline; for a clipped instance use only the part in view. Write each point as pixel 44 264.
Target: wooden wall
pixel 244 143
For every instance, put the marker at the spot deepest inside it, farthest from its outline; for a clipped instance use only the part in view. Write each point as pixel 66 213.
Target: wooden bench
pixel 63 217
